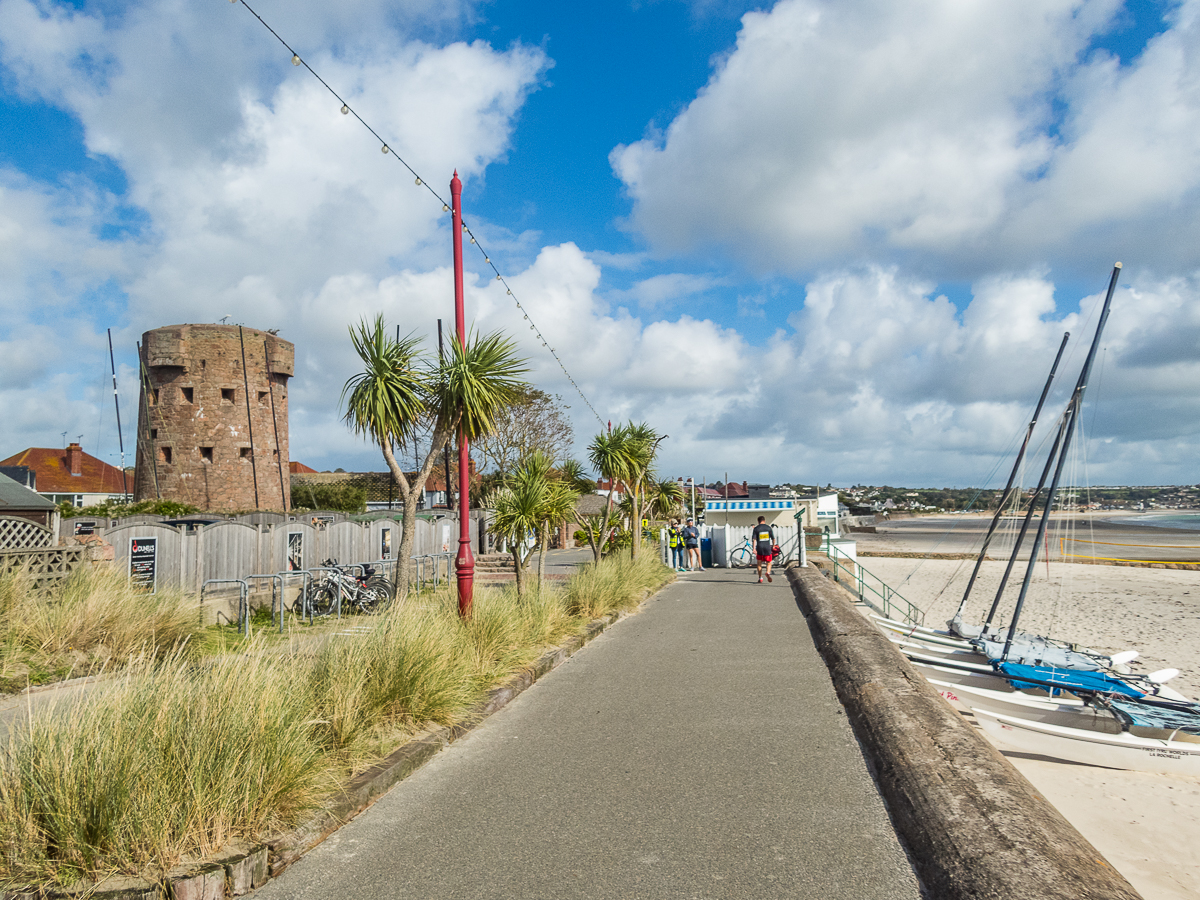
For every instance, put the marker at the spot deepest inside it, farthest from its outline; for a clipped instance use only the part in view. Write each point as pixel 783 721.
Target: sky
pixel 809 240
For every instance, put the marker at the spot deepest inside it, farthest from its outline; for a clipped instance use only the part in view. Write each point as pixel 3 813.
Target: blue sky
pixel 806 239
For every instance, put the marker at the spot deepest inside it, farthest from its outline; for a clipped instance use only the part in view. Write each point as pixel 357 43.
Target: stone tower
pixel 207 426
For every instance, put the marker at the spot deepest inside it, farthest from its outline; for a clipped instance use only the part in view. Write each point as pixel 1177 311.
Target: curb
pixel 973 827
pixel 242 868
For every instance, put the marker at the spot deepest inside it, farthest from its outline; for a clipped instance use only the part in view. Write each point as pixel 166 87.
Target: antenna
pixel 64 437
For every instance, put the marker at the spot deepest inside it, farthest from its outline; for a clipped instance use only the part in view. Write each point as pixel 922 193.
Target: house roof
pixel 299 468
pixel 15 496
pixel 54 474
pixel 591 504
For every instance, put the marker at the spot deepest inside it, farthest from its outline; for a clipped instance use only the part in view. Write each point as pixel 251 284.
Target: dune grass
pixel 176 756
pixel 91 620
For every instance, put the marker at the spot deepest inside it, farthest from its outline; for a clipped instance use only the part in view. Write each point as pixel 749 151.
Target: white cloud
pixel 262 200
pixel 844 131
pixel 668 288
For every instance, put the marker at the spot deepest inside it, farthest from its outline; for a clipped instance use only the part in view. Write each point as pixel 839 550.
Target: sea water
pixel 1185 521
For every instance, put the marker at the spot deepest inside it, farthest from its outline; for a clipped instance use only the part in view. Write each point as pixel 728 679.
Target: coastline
pixel 1147 825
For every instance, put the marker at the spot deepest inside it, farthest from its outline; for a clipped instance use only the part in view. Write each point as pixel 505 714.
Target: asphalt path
pixel 695 750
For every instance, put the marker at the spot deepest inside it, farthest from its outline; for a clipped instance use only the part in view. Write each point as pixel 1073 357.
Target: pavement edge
pixel 973 826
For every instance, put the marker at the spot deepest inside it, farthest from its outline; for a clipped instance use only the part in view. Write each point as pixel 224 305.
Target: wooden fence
pixel 44 564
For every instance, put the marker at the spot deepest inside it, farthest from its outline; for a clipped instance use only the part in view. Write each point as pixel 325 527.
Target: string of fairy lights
pixel 387 149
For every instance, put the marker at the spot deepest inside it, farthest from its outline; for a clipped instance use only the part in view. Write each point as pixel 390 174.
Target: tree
pixel 399 393
pixel 641 442
pixel 534 421
pixel 516 512
pixel 609 454
pixel 534 502
pixel 665 499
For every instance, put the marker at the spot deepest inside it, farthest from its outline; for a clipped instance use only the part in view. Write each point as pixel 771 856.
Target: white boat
pixel 948 662
pixel 910 644
pixel 1064 710
pixel 1176 753
pixel 921 633
pixel 947 675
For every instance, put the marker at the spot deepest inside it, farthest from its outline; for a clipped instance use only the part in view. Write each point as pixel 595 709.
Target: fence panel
pixel 45 564
pixel 167 557
pixel 21 534
pixel 347 542
pixel 228 550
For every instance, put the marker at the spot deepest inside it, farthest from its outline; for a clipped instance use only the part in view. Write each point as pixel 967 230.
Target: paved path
pixel 696 750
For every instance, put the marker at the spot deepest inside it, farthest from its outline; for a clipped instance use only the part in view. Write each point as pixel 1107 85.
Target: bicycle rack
pixel 336 581
pixel 274 579
pixel 306 579
pixel 243 600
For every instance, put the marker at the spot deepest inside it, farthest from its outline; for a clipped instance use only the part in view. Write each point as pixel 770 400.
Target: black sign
pixel 143 562
pixel 82 528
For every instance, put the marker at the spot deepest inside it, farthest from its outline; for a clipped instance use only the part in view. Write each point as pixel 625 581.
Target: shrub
pixel 345 496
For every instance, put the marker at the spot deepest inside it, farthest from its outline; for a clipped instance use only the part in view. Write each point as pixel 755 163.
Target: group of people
pixel 687 539
pixel 681 539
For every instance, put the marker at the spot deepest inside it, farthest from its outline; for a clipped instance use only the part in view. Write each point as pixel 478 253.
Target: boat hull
pixel 1110 751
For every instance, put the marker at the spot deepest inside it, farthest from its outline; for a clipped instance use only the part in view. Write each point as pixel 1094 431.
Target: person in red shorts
pixel 763 538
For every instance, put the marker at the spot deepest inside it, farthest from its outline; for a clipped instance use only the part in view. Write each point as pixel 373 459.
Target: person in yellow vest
pixel 675 542
pixel 762 536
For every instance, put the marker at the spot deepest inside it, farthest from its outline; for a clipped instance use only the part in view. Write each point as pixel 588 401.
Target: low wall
pixel 973 826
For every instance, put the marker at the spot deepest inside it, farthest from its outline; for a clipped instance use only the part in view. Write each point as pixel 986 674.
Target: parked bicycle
pixel 744 555
pixel 365 593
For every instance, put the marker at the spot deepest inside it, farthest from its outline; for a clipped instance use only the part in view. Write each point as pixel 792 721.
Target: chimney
pixel 746 487
pixel 75 459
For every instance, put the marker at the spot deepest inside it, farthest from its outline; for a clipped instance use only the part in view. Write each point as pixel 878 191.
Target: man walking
pixel 691 542
pixel 763 538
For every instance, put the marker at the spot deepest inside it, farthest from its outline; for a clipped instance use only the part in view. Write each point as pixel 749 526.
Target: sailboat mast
pixel 1008 488
pixel 1072 416
pixel 1020 541
pixel 117 402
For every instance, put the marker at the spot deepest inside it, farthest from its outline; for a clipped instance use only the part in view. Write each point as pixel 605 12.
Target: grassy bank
pixel 91 620
pixel 175 757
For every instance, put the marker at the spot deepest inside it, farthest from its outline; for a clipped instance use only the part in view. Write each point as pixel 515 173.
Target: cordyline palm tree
pixel 641 448
pixel 398 394
pixel 534 502
pixel 609 454
pixel 664 499
pixel 516 512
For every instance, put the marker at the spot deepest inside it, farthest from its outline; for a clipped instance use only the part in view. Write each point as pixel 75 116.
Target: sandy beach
pixel 1146 825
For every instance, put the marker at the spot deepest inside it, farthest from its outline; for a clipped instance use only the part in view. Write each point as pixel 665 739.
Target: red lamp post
pixel 464 563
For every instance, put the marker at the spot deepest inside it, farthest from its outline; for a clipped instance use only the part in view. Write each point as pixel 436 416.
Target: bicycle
pixel 745 556
pixel 742 556
pixel 366 593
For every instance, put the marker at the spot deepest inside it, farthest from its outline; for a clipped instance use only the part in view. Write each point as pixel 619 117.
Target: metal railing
pixel 434 561
pixel 243 620
pixel 274 578
pixel 872 590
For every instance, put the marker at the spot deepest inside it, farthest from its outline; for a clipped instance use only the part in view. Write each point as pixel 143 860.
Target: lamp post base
pixel 464 565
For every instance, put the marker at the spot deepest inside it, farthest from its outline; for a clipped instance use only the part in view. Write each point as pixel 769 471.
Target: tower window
pixel 247 453
pixel 206 454
pixel 226 395
pixel 189 395
pixel 262 398
pixel 152 397
pixel 164 455
pixel 153 433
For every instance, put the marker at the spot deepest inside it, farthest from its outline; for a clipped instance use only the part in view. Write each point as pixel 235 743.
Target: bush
pixel 343 496
pixel 114 510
